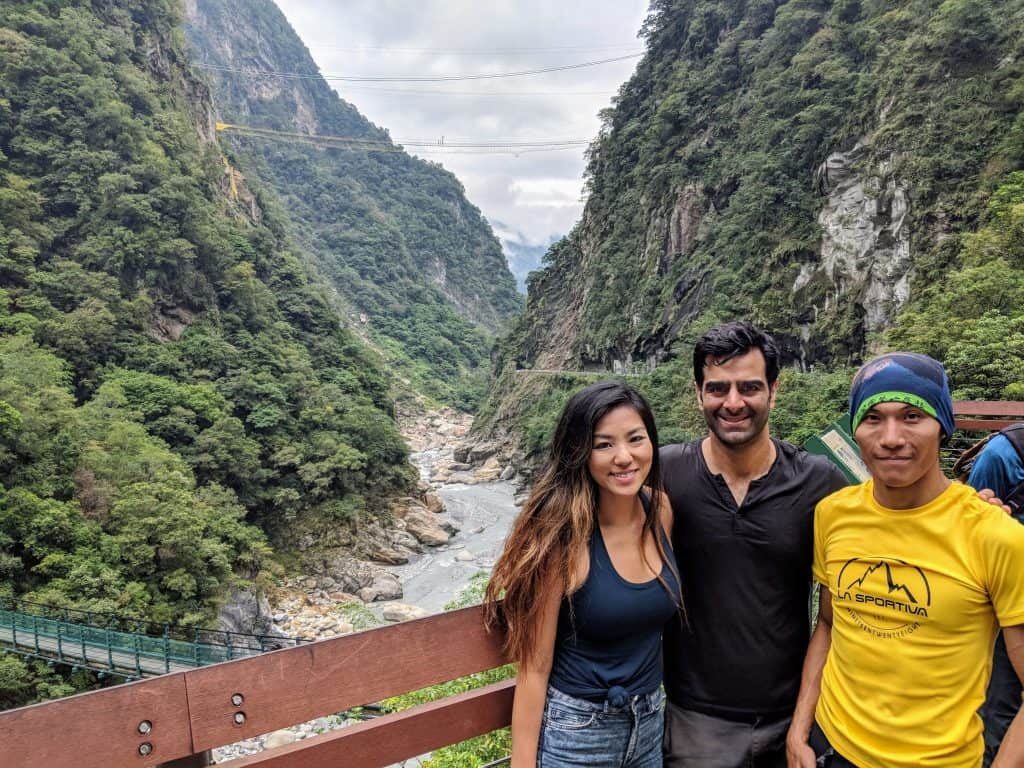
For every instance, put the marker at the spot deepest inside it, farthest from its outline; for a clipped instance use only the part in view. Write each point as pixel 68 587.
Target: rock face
pixel 247 612
pixel 684 220
pixel 865 246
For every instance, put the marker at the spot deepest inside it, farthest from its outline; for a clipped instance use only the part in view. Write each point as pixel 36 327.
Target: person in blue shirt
pixel 1000 468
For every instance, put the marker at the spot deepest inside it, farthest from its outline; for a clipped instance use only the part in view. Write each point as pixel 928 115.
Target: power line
pixel 480 94
pixel 476 51
pixel 390 79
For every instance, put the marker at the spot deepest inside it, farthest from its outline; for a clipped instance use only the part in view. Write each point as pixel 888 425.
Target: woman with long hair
pixel 588 581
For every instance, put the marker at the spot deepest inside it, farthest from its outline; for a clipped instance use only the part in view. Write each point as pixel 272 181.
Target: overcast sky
pixel 538 194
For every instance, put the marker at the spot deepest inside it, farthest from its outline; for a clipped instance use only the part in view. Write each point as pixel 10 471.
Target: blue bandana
pixel 902 377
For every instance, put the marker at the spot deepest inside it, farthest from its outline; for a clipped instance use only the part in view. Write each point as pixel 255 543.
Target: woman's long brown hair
pixel 555 525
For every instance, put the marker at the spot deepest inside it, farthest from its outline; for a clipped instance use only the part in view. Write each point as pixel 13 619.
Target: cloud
pixel 553 192
pixel 537 194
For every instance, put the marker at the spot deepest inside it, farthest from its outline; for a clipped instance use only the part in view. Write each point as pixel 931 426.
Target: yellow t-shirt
pixel 917 598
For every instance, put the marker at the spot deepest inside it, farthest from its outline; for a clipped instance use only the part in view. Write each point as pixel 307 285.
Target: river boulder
pixel 426 527
pixel 433 502
pixel 385 586
pixel 403 612
pixel 389 556
pixel 370 582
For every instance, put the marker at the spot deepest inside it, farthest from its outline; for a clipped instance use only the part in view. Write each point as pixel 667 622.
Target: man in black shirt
pixel 744 508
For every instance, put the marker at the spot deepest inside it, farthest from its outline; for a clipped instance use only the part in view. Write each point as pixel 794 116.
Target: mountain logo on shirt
pixel 887 598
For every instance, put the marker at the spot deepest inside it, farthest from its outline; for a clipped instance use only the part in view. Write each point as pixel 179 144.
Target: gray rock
pixel 405 540
pixel 465 556
pixel 370 582
pixel 385 586
pixel 433 502
pixel 280 738
pixel 342 597
pixel 507 473
pixel 403 612
pixel 426 528
pixel 482 451
pixel 389 556
pixel 247 612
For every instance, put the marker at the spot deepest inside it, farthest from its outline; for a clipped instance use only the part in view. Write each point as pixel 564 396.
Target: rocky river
pixel 434 546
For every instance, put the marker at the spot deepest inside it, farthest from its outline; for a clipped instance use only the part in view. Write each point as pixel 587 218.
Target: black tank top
pixel 611 646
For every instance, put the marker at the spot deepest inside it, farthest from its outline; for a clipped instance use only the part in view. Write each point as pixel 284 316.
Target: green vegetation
pixel 972 319
pixel 394 235
pixel 26 681
pixel 358 615
pixel 175 389
pixel 705 187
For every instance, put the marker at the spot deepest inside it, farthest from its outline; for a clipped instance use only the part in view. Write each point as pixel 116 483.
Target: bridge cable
pixel 408 79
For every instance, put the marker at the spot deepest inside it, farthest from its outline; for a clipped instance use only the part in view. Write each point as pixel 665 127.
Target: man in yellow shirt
pixel 917 576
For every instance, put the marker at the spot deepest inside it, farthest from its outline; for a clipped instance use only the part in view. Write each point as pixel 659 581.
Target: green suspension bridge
pixel 115 645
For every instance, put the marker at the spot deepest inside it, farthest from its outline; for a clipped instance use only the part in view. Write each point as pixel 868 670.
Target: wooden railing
pixel 987 414
pixel 180 716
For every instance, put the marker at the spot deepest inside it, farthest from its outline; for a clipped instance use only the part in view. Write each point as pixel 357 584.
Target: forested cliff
pixel 843 172
pixel 394 234
pixel 175 390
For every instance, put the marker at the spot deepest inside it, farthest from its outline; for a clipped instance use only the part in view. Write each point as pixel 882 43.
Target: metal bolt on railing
pixel 237 699
pixel 239 718
pixel 145 727
pixel 145 748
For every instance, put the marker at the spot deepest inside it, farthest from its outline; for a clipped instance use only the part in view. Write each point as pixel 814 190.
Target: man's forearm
pixel 1011 751
pixel 810 681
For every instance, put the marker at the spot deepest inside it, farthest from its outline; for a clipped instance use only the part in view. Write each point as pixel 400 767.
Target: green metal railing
pixel 118 645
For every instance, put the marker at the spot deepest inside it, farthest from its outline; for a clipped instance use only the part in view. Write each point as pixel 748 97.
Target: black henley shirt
pixel 746 578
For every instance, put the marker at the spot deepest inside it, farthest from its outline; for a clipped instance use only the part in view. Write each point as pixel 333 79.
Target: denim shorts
pixel 575 732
